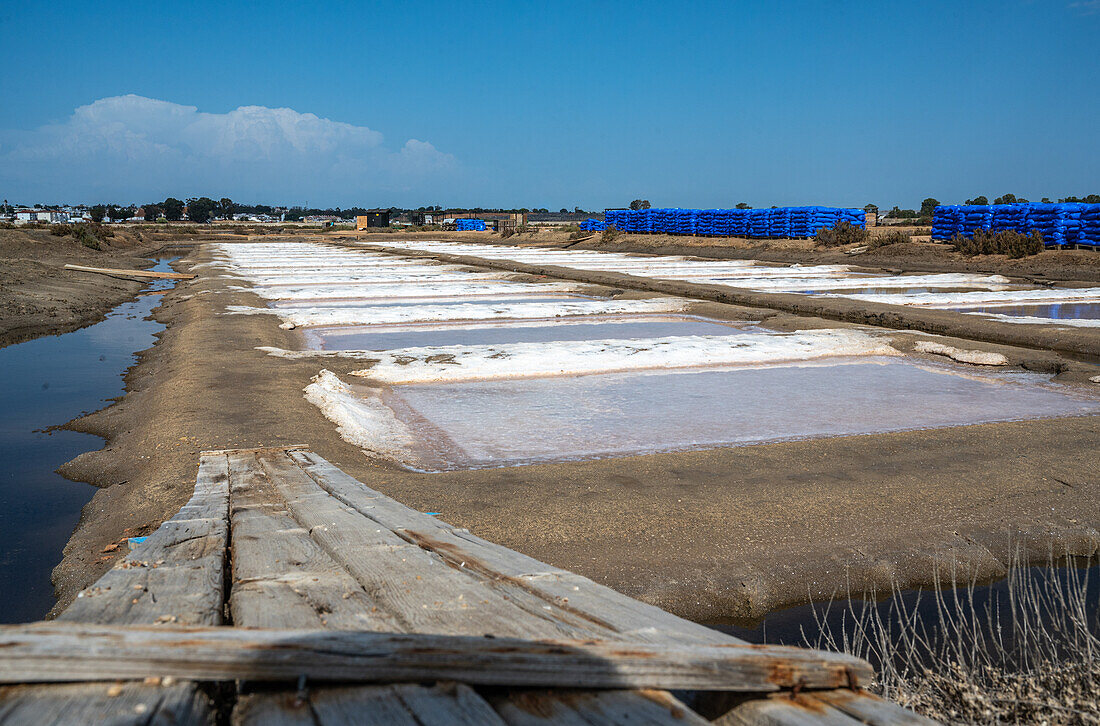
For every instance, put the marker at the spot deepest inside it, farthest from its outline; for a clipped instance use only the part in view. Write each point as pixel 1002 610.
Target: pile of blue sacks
pixel 1060 224
pixel 775 223
pixel 470 225
pixel 593 225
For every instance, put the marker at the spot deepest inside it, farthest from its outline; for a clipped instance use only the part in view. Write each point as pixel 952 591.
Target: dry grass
pixel 1027 654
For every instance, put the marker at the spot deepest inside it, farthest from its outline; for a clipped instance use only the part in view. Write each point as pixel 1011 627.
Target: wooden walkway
pixel 238 610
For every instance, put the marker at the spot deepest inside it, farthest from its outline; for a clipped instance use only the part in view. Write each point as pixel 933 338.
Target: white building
pixel 52 216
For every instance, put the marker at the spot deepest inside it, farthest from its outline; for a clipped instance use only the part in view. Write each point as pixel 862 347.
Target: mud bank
pixel 38 297
pixel 717 535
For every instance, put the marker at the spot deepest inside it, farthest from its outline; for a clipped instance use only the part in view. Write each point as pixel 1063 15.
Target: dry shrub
pixel 579 234
pixel 842 234
pixel 893 237
pixel 1027 654
pixel 610 234
pixel 1005 242
pixel 507 232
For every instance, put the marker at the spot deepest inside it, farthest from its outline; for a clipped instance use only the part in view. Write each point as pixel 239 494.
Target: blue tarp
pixel 778 222
pixel 470 225
pixel 593 225
pixel 1060 224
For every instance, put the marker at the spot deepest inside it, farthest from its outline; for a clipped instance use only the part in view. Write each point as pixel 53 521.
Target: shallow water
pixel 378 337
pixel 1054 311
pixel 804 624
pixel 510 422
pixel 49 381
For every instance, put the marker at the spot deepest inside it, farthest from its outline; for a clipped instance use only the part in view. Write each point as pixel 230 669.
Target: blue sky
pixel 551 104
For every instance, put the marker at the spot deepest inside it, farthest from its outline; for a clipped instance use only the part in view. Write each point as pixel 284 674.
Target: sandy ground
pixel 719 535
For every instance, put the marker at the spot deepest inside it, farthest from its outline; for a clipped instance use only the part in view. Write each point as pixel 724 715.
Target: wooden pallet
pixel 281 540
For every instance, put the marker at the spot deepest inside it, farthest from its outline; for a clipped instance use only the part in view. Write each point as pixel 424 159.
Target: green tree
pixel 226 207
pixel 152 211
pixel 639 204
pixel 742 205
pixel 977 200
pixel 98 212
pixel 173 209
pixel 116 213
pixel 201 209
pixel 928 206
pixel 1006 199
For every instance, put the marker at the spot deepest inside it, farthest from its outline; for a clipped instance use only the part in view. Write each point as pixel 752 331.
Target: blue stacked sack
pixel 470 225
pixel 1006 217
pixel 1065 223
pixel 777 222
pixel 593 225
pixel 1090 225
pixel 946 222
pixel 975 217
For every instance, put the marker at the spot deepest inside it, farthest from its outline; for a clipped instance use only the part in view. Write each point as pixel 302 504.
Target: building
pixel 544 219
pixel 51 216
pixel 871 212
pixel 373 218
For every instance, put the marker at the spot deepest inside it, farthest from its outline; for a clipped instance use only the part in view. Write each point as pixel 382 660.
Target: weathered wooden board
pixel 583 708
pixel 281 578
pixel 66 652
pixel 176 575
pixel 412 583
pixel 133 273
pixel 130 704
pixel 871 709
pixel 601 610
pixel 786 710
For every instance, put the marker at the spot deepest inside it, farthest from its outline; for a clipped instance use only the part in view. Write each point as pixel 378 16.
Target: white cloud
pixel 132 148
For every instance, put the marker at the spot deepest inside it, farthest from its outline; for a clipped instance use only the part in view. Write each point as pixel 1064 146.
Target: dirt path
pixel 715 535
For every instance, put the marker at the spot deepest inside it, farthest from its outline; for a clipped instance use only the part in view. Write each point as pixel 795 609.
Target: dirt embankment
pixel 722 534
pixel 38 297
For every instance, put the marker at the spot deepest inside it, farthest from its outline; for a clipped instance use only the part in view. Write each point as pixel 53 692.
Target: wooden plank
pixel 133 273
pixel 66 652
pixel 398 705
pixel 281 578
pixel 785 710
pixel 583 708
pixel 871 709
pixel 176 575
pixel 127 704
pixel 605 610
pixel 416 587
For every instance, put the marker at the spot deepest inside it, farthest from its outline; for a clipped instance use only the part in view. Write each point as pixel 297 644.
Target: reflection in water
pixel 49 381
pixel 1053 311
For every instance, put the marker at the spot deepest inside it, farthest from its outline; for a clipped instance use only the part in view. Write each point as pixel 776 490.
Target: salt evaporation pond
pixel 380 337
pixel 940 290
pixel 524 421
